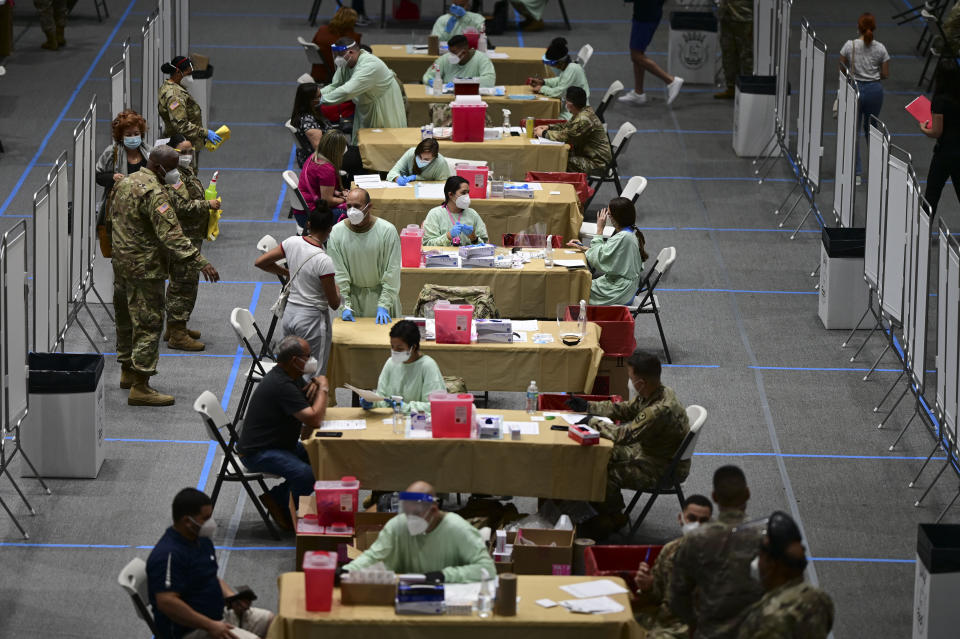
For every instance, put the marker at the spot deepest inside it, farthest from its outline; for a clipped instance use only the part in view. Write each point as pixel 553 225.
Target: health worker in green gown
pixel 454 223
pixel 532 12
pixel 460 62
pixel 366 253
pixel 408 373
pixel 364 78
pixel 422 162
pixel 564 74
pixel 457 20
pixel 617 261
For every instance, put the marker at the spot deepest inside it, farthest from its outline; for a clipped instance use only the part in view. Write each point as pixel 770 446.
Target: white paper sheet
pixel 570 263
pixel 526 428
pixel 497 55
pixel 370 396
pixel 597 588
pixel 596 605
pixel 546 142
pixel 344 424
pixel 429 190
pixel 525 325
pixel 367 181
pixel 546 603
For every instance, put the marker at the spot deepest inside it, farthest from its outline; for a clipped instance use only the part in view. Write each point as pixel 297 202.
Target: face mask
pixel 755 569
pixel 422 163
pixel 400 357
pixel 187 81
pixel 453 58
pixel 207 528
pixel 457 10
pixel 416 525
pixel 172 176
pixel 355 215
pixel 631 388
pixel 131 141
pixel 463 202
pixel 689 527
pixel 186 160
pixel 311 365
pixel 340 62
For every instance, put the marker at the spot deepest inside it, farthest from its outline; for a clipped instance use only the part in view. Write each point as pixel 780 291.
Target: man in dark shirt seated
pixel 185 593
pixel 284 410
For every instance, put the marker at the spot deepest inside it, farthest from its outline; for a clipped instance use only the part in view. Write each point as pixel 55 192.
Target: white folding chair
pixel 634 189
pixel 669 483
pixel 133 580
pixel 246 330
pixel 301 140
pixel 294 197
pixel 645 302
pixel 610 173
pixel 268 243
pixel 231 468
pixel 615 89
pixel 584 55
pixel 305 78
pixel 312 51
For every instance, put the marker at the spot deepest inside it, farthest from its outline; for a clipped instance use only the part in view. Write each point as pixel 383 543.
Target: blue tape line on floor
pixel 207 465
pixel 283 189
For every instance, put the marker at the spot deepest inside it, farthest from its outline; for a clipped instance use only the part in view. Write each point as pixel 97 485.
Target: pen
pixel 647 558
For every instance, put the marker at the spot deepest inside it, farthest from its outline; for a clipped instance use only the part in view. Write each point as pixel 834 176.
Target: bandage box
pixel 550 554
pixel 583 435
pixel 477 250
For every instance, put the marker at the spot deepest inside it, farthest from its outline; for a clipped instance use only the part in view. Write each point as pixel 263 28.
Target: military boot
pixel 51 42
pixel 61 39
pixel 180 339
pixel 127 377
pixel 141 394
pixel 192 333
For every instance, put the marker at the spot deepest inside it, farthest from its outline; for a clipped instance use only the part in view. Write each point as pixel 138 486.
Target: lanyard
pixel 450 215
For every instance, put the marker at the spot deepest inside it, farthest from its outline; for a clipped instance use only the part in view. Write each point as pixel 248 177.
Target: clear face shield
pixel 339 54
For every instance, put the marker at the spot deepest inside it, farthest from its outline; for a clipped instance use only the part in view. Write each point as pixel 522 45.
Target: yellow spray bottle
pixel 213 224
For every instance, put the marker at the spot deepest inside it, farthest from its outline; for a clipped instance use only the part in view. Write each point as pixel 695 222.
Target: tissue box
pixel 552 554
pixel 477 250
pixel 489 426
pixel 583 435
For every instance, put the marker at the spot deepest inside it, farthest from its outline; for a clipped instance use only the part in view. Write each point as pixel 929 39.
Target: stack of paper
pixel 594 588
pixel 593 597
pixel 592 606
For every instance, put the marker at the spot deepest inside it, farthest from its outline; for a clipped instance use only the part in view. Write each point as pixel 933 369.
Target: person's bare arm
pixel 182 614
pixel 885 70
pixel 268 262
pixel 844 63
pixel 331 291
pixel 314 135
pixel 312 416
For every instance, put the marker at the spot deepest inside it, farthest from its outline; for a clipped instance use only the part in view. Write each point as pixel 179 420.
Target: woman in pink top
pixel 320 175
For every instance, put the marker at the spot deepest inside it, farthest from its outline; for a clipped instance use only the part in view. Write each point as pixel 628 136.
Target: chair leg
pixel 314 10
pixel 14 519
pixel 264 515
pixel 646 509
pixel 616 181
pixel 663 339
pixel 566 20
pixel 217 486
pixel 16 487
pixel 679 489
pixel 633 503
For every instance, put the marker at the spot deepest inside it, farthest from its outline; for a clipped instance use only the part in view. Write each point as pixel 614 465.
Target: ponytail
pixel 642 242
pixel 866 26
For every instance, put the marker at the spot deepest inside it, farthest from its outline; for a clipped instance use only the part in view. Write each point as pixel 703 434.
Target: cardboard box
pixel 612 377
pixel 367 594
pixel 200 61
pixel 368 527
pixel 544 558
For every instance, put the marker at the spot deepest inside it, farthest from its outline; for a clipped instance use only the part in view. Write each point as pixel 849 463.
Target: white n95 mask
pixel 400 357
pixel 453 58
pixel 355 215
pixel 689 527
pixel 172 176
pixel 416 525
pixel 187 82
pixel 463 202
pixel 207 528
pixel 186 160
pixel 340 62
pixel 755 569
pixel 311 365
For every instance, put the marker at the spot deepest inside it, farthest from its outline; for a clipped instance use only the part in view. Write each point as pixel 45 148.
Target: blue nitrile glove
pixel 393 404
pixel 383 316
pixel 213 138
pixel 365 405
pixel 404 180
pixel 456 230
pixel 347 316
pixel 448 87
pixel 466 229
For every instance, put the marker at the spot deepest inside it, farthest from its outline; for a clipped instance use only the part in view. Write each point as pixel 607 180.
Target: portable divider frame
pixel 779 142
pixel 120 97
pixel 150 76
pixel 14 398
pixel 764 37
pixel 181 27
pixel 848 121
pixel 51 259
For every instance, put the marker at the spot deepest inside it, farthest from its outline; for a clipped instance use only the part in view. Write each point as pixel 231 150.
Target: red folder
pixel 920 109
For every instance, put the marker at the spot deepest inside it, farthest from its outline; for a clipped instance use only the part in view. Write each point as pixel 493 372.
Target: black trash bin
pixel 63 433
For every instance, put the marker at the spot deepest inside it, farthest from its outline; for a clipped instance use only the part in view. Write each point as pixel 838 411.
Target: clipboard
pixel 920 109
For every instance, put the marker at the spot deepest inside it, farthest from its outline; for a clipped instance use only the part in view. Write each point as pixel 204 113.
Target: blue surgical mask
pixel 420 162
pixel 132 141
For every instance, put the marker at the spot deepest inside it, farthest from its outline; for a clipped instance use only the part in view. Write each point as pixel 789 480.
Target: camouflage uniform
pixel 714 561
pixel 52 14
pixel 194 215
pixel 587 136
pixel 795 610
pixel 479 297
pixel 662 624
pixel 145 232
pixel 736 39
pixel 644 441
pixel 181 114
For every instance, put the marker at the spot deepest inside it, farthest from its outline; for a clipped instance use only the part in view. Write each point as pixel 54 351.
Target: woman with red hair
pixel 869 64
pixel 126 154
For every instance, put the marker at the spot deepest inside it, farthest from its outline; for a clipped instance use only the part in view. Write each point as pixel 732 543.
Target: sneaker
pixel 673 89
pixel 858 180
pixel 632 97
pixel 362 20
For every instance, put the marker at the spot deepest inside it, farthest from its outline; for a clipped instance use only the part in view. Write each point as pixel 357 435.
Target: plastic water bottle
pixel 533 395
pixel 485 598
pixel 582 319
pixel 397 417
pixel 548 253
pixel 506 122
pixel 437 81
pixel 482 42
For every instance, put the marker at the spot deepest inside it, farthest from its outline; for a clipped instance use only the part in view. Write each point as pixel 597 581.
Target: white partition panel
pixel 59 192
pixel 13 314
pixel 44 274
pixel 921 301
pixel 940 360
pixel 117 86
pixel 764 36
pixel 782 64
pixel 895 233
pixel 165 49
pixel 818 53
pixel 182 28
pixel 953 327
pixel 803 100
pixel 84 199
pixel 150 76
pixel 876 201
pixel 848 120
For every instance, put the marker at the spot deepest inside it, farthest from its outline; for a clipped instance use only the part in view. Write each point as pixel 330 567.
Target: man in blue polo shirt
pixel 185 593
pixel 646 19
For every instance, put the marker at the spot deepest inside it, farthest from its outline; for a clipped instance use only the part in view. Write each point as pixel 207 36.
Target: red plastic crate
pixel 578 180
pixel 618 561
pixel 616 328
pixel 558 401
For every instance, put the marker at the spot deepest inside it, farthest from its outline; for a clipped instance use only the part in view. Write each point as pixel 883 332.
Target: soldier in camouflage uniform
pixel 587 136
pixel 790 608
pixel 736 42
pixel 712 586
pixel 53 19
pixel 193 213
pixel 145 234
pixel 654 585
pixel 178 110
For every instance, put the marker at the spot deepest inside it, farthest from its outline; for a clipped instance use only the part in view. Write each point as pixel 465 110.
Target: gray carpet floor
pixel 740 311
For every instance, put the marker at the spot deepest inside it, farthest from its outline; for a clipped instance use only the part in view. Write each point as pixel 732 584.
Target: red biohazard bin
pixel 337 501
pixel 411 246
pixel 318 570
pixel 451 415
pixel 616 328
pixel 618 561
pixel 468 121
pixel 453 323
pixel 476 177
pixel 558 401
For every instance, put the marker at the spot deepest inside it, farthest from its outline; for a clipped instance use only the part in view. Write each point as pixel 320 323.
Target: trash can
pixel 693 46
pixel 63 432
pixel 843 291
pixel 753 118
pixel 937 581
